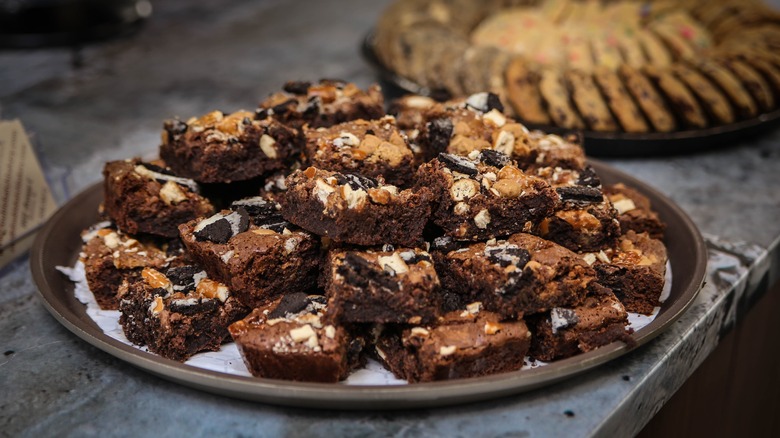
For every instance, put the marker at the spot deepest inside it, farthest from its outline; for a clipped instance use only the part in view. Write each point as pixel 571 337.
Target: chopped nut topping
pixel 302 333
pixel 155 279
pixel 474 307
pixel 419 331
pixel 491 328
pixel 171 193
pixel 157 305
pixel 267 146
pixel 464 189
pixel 482 219
pixel 212 289
pixel 446 351
pixel 624 205
pixel 330 331
pixel 496 117
pixel 505 142
pixel 603 257
pixel 394 262
pixel 589 258
pixel 111 240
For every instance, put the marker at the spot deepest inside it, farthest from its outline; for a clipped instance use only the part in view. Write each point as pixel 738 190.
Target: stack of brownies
pixel 445 240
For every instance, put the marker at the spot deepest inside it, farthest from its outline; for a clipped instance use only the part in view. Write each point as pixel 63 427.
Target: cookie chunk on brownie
pixel 634 270
pixel 396 286
pixel 292 339
pixel 369 148
pixel 322 104
pixel 253 250
pixel 468 343
pixel 354 209
pixel 634 211
pixel 110 257
pixel 177 312
pixel 484 195
pixel 523 274
pixel 222 148
pixel 565 331
pixel 146 198
pixel 586 220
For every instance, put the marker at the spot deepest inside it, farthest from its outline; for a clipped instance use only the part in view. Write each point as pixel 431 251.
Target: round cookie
pixel 654 49
pixel 522 83
pixel 770 71
pixel 473 78
pixel 648 99
pixel 556 96
pixel 619 100
pixel 681 99
pixel 589 102
pixel 739 97
pixel 753 82
pixel 713 99
pixel 630 46
pixel 678 46
pixel 606 51
pixel 577 49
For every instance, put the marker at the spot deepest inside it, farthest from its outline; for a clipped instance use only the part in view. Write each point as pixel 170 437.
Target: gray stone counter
pixel 192 59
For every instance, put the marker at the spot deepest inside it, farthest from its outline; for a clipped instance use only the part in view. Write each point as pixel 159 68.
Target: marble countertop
pixel 107 102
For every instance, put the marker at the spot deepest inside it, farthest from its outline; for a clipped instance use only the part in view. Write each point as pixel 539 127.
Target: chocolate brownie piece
pixel 396 286
pixel 293 339
pixel 634 270
pixel 253 250
pixel 551 150
pixel 325 103
pixel 369 148
pixel 177 312
pixel 484 195
pixel 110 257
pixel 634 211
pixel 586 220
pixel 409 111
pixel 565 331
pixel 461 345
pixel 146 198
pixel 220 148
pixel 523 274
pixel 353 209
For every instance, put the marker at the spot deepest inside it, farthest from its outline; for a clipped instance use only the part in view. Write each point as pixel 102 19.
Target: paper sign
pixel 25 198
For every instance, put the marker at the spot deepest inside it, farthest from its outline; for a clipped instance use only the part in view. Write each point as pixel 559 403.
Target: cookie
pixel 647 98
pixel 753 82
pixel 589 102
pixel 739 97
pixel 556 97
pixel 657 54
pixel 713 99
pixel 619 100
pixel 523 92
pixel 678 95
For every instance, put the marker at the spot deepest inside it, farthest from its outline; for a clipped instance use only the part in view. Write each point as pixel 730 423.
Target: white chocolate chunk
pixel 171 193
pixel 267 146
pixel 624 205
pixel 302 333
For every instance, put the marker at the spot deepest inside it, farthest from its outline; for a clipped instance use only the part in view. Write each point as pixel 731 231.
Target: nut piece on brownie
pixel 292 339
pixel 369 148
pixel 634 211
pixel 396 286
pixel 468 343
pixel 146 198
pixel 586 220
pixel 177 312
pixel 253 250
pixel 110 257
pixel 634 270
pixel 322 104
pixel 222 148
pixel 354 209
pixel 484 195
pixel 523 274
pixel 566 331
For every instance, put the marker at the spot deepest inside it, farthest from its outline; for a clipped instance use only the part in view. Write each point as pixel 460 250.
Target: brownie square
pixel 146 198
pixel 635 271
pixel 586 220
pixel 397 286
pixel 462 344
pixel 565 331
pixel 292 339
pixel 253 250
pixel 369 148
pixel 634 211
pixel 322 104
pixel 551 150
pixel 523 274
pixel 177 312
pixel 484 195
pixel 353 209
pixel 110 257
pixel 220 148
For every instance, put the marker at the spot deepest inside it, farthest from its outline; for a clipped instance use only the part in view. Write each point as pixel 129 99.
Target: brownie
pixel 395 286
pixel 369 148
pixel 565 331
pixel 484 195
pixel 253 250
pixel 523 274
pixel 220 148
pixel 634 270
pixel 634 211
pixel 177 312
pixel 325 103
pixel 353 209
pixel 586 220
pixel 146 198
pixel 551 150
pixel 292 339
pixel 462 344
pixel 110 256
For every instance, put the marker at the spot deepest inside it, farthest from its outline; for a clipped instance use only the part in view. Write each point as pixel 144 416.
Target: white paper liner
pixel 228 360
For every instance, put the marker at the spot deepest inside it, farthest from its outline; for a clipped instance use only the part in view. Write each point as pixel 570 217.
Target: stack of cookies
pixel 619 66
pixel 445 240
